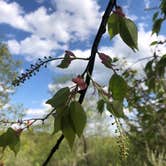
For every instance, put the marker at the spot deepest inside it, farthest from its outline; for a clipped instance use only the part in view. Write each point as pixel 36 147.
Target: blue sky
pixel 37 28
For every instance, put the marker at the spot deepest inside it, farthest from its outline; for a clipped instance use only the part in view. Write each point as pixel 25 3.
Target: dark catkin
pixel 32 71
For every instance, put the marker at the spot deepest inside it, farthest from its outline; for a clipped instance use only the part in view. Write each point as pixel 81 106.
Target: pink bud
pixel 103 57
pixel 69 53
pixel 119 11
pixel 80 82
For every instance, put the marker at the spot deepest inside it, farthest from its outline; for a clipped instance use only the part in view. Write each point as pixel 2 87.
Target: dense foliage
pixel 8 72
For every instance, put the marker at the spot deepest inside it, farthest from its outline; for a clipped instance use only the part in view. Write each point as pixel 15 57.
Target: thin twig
pixel 35 68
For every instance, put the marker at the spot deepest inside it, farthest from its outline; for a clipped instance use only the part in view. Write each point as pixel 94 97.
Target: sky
pixel 33 29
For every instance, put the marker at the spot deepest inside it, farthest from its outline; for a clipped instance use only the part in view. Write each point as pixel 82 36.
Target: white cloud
pixel 34 47
pixel 14 46
pixel 128 12
pixel 70 21
pixel 147 3
pixel 12 14
pixel 55 87
pixel 82 15
pixel 37 112
pixel 39 1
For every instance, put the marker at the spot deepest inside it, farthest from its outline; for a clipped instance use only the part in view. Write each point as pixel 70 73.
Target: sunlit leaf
pixel 69 56
pixel 113 25
pixel 115 108
pixel 65 62
pixel 163 6
pixel 153 43
pixel 68 130
pixel 60 98
pixel 129 33
pixel 155 16
pixel 78 117
pixel 161 65
pixel 118 87
pixel 148 68
pixel 58 118
pixel 100 105
pixel 10 138
pixel 157 26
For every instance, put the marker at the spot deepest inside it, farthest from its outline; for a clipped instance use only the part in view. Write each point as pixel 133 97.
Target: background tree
pixel 147 99
pixel 8 72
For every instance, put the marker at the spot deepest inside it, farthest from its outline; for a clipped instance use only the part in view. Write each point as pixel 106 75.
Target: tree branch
pixel 90 66
pixel 101 31
pixel 54 149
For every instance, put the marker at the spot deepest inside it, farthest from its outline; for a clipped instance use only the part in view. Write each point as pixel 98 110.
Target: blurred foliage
pixel 101 151
pixel 8 72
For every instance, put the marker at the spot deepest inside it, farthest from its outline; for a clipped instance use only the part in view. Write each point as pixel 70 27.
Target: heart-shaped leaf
pixel 129 33
pixel 100 105
pixel 78 117
pixel 118 87
pixel 10 138
pixel 67 129
pixel 58 118
pixel 113 25
pixel 60 98
pixel 115 108
pixel 69 56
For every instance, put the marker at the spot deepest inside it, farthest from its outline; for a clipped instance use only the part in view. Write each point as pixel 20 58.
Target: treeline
pixel 87 151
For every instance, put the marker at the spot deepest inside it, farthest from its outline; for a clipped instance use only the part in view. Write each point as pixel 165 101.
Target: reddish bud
pixel 29 123
pixel 119 11
pixel 69 53
pixel 103 57
pixel 80 82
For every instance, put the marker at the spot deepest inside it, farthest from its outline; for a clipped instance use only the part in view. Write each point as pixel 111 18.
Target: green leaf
pixel 10 138
pixel 153 43
pixel 125 27
pixel 115 108
pixel 155 16
pixel 115 59
pixel 108 63
pixel 128 32
pixel 104 95
pixel 60 98
pixel 157 26
pixel 58 118
pixel 151 83
pixel 100 105
pixel 57 123
pixel 161 65
pixel 67 129
pixel 65 62
pixel 118 87
pixel 148 69
pixel 113 25
pixel 78 117
pixel 163 7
